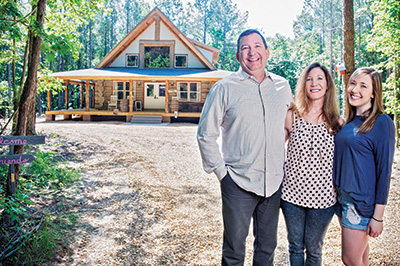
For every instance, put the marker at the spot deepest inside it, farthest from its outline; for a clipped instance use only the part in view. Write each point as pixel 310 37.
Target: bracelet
pixel 380 221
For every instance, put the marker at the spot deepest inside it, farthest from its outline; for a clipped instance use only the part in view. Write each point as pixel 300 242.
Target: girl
pixel 363 160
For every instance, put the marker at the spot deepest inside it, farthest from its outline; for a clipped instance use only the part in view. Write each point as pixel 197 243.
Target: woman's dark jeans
pixel 306 229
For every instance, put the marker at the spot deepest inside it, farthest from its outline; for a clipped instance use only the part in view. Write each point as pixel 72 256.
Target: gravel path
pixel 145 199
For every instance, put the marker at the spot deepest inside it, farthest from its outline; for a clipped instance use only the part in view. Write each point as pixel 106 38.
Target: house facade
pixel 155 69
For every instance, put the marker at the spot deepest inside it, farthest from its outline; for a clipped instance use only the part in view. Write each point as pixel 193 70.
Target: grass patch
pixel 34 222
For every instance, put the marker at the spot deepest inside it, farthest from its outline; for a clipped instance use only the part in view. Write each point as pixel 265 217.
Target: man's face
pixel 252 54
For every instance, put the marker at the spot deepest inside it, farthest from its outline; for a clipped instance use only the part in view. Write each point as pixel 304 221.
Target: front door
pixel 154 96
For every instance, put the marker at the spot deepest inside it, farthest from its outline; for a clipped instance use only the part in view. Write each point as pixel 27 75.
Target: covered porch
pixel 118 93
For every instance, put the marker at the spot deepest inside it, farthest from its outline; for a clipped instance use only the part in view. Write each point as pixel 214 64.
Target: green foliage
pixel 33 240
pixel 156 60
pixel 47 82
pixel 15 207
pixel 46 171
pixel 6 103
pixel 40 246
pixel 385 39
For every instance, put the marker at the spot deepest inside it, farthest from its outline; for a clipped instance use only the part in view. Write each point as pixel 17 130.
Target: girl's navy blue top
pixel 363 162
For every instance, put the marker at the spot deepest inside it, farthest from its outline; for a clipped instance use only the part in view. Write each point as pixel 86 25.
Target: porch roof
pixel 141 73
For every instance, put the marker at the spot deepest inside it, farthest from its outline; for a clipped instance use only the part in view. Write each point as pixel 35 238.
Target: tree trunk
pixel 39 103
pixel 112 30
pixel 127 10
pixel 25 63
pixel 28 97
pixel 10 94
pixel 16 92
pixel 397 90
pixel 331 39
pixel 348 39
pixel 359 42
pixel 322 45
pixel 90 43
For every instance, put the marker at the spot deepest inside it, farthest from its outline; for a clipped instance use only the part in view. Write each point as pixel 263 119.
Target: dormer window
pixel 132 60
pixel 181 61
pixel 156 57
pixel 156 54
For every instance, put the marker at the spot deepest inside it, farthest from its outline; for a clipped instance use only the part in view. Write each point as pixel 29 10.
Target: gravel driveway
pixel 145 199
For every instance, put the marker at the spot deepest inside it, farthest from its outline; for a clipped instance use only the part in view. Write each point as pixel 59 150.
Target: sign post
pixel 12 158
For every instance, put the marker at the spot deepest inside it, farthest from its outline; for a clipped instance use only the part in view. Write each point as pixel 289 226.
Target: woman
pixel 308 195
pixel 362 166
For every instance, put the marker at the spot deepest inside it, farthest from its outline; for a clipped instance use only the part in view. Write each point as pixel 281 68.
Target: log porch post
pixel 82 95
pixel 66 94
pixel 131 96
pixel 166 96
pixel 93 95
pixel 87 95
pixel 48 101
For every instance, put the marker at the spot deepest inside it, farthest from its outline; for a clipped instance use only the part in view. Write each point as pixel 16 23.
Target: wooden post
pixel 93 95
pixel 87 95
pixel 131 96
pixel 166 105
pixel 82 95
pixel 48 101
pixel 66 94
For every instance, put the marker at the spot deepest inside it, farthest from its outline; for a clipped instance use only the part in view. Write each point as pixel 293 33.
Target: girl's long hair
pixel 330 109
pixel 376 102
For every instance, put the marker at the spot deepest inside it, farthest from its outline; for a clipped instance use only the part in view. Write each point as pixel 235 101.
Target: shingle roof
pixel 103 73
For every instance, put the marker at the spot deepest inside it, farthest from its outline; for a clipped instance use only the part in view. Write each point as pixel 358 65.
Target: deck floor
pixel 87 115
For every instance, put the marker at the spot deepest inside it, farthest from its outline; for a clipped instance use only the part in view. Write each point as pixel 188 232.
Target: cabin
pixel 154 72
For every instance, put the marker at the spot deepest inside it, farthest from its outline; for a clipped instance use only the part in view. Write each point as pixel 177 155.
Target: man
pixel 249 109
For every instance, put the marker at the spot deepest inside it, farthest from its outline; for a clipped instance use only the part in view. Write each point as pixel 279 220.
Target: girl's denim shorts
pixel 346 210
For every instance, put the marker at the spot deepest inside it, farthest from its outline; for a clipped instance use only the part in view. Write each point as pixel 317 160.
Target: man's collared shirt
pixel 250 118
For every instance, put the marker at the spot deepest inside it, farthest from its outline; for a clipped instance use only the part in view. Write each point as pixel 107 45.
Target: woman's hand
pixel 375 228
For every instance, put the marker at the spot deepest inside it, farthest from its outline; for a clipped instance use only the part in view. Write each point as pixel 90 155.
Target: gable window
pixel 181 60
pixel 132 60
pixel 156 56
pixel 121 89
pixel 189 91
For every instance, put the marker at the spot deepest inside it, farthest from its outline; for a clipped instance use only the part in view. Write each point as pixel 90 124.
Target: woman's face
pixel 316 84
pixel 360 92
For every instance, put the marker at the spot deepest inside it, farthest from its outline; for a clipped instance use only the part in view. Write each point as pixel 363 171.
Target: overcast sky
pixel 272 16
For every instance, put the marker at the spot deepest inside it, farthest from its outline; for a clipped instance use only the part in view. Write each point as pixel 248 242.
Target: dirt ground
pixel 145 199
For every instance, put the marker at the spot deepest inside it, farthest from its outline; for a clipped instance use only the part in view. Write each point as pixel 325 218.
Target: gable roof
pixel 154 16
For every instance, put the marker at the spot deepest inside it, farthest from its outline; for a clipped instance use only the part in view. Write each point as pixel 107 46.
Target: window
pixel 156 56
pixel 189 91
pixel 132 60
pixel 181 60
pixel 121 89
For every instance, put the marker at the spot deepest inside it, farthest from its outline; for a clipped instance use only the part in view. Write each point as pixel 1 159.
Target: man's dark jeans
pixel 238 207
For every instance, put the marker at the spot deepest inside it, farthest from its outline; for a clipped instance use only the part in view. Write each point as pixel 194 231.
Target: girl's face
pixel 360 92
pixel 316 84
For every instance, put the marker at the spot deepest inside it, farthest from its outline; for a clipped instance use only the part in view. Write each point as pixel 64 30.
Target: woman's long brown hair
pixel 376 102
pixel 330 109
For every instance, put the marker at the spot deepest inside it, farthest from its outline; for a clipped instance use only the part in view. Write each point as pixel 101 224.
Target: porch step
pixel 146 119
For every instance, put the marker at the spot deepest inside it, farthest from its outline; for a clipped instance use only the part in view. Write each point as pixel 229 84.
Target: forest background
pixel 77 34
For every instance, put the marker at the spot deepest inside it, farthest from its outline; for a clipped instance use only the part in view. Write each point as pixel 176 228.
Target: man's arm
pixel 209 131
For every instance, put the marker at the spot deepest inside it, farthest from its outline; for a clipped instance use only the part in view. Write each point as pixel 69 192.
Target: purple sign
pixel 16 159
pixel 21 140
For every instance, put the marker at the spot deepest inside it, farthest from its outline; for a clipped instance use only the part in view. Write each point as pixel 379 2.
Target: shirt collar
pixel 243 75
